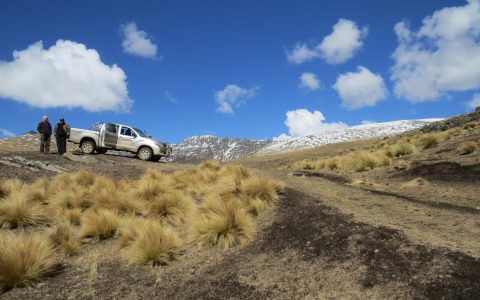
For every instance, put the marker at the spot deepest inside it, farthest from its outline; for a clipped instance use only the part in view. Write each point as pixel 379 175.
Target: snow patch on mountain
pixel 359 132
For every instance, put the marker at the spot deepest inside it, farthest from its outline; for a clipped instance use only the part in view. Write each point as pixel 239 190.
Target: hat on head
pixel 45 117
pixel 62 119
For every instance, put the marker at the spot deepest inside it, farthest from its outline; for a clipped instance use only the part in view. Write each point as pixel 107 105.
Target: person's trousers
pixel 44 143
pixel 62 144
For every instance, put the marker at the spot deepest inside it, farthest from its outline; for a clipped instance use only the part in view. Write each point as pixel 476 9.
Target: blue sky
pixel 177 62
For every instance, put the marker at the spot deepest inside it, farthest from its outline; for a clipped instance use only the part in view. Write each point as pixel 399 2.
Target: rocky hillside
pixel 198 148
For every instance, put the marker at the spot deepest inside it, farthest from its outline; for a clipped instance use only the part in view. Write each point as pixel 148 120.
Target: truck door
pixel 126 140
pixel 111 135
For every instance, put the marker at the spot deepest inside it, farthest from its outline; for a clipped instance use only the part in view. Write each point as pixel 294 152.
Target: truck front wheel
pixel 87 147
pixel 145 153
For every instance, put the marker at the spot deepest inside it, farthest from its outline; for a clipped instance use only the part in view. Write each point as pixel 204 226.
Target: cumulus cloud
pixel 302 122
pixel 360 89
pixel 65 75
pixel 6 133
pixel 337 47
pixel 233 95
pixel 475 102
pixel 309 81
pixel 442 56
pixel 137 42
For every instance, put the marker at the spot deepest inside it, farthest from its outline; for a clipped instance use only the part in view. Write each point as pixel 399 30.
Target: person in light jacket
pixel 62 133
pixel 45 130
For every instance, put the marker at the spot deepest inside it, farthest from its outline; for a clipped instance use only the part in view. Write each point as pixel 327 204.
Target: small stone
pixel 376 251
pixel 192 271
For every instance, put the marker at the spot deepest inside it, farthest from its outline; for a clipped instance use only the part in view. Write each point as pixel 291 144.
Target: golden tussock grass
pixel 211 205
pixel 17 211
pixel 72 216
pixel 170 207
pixel 403 148
pixel 10 185
pixel 152 244
pixel 65 236
pixel 101 224
pixel 24 257
pixel 262 188
pixel 467 147
pixel 428 141
pixel 222 224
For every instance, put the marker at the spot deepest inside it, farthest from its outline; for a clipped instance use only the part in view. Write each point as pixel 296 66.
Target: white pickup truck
pixel 104 136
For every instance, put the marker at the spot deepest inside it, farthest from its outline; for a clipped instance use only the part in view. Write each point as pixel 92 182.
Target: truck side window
pixel 126 131
pixel 112 128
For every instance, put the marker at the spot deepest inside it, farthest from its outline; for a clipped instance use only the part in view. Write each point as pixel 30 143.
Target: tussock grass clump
pixel 148 190
pixel 171 207
pixel 262 188
pixel 84 178
pixel 17 211
pixel 100 224
pixel 10 185
pixel 223 224
pixel 38 191
pixel 332 163
pixel 471 125
pixel 428 141
pixel 363 161
pixel 213 165
pixel 153 244
pixel 467 147
pixel 65 236
pixel 402 149
pixel 24 257
pixel 73 216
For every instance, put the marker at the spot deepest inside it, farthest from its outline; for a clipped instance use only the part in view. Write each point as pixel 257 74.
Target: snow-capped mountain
pixel 359 132
pixel 198 148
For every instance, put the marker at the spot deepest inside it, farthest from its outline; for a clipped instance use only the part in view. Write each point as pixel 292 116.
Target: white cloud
pixel 302 53
pixel 360 89
pixel 309 81
pixel 302 122
pixel 233 95
pixel 6 133
pixel 343 42
pixel 442 56
pixel 337 47
pixel 366 122
pixel 170 97
pixel 475 102
pixel 65 75
pixel 137 42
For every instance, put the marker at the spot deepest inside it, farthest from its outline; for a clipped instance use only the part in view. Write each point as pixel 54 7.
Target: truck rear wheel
pixel 145 153
pixel 87 147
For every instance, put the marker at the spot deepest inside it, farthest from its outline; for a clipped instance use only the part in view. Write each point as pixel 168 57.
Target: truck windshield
pixel 95 127
pixel 140 133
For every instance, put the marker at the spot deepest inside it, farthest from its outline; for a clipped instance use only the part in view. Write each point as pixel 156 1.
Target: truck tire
pixel 87 147
pixel 145 153
pixel 101 150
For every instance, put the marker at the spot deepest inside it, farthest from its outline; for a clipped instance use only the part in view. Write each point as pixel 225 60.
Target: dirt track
pixel 324 239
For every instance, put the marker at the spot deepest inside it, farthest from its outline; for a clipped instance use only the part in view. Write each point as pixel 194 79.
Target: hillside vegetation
pixel 389 151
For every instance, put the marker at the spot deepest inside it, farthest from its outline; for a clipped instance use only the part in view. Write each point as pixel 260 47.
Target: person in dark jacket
pixel 62 133
pixel 45 130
